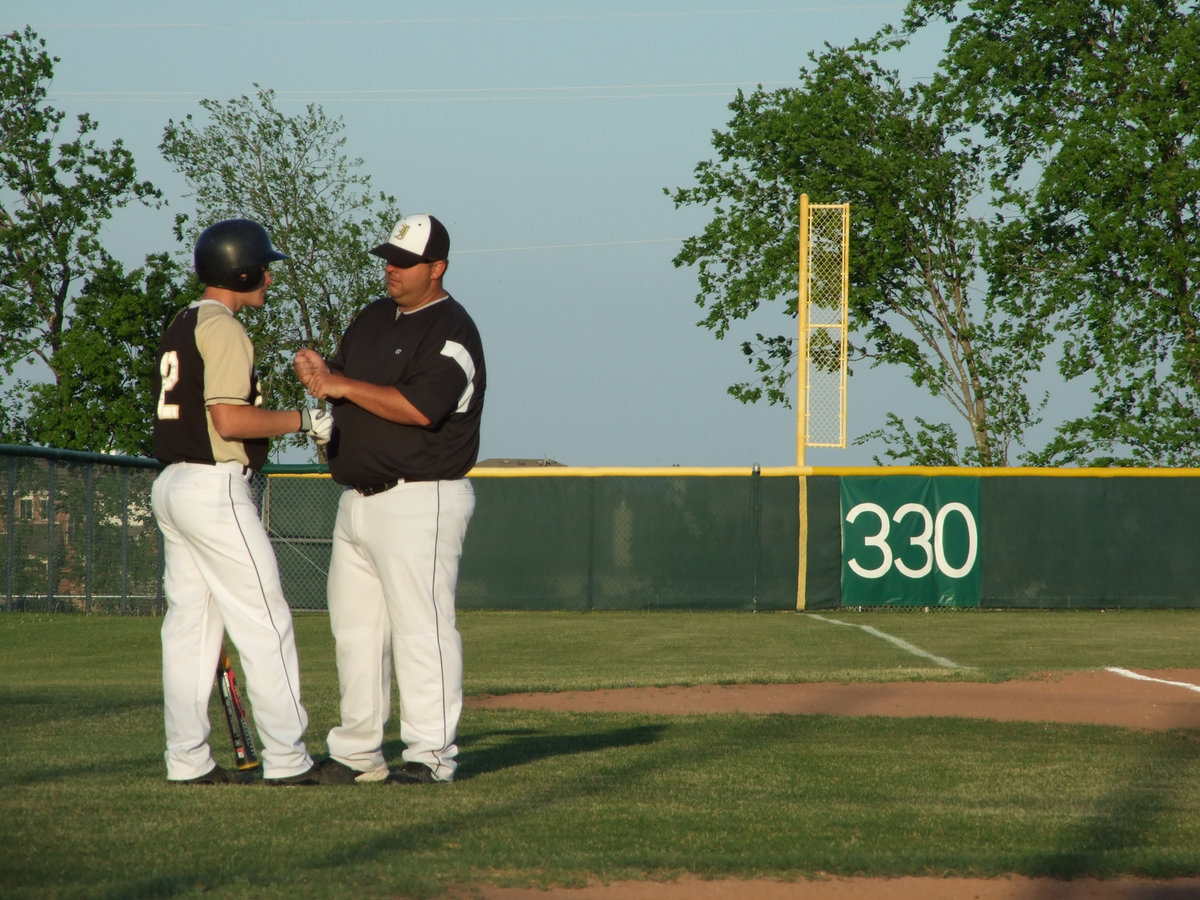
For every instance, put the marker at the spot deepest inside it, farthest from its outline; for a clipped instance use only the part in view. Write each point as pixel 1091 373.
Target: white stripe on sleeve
pixel 459 354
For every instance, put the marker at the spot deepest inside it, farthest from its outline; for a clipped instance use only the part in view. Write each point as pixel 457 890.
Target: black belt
pixel 229 465
pixel 369 490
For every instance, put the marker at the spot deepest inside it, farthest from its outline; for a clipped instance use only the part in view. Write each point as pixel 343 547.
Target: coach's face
pixel 414 286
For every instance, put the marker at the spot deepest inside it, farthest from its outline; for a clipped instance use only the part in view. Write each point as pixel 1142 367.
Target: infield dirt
pixel 1165 700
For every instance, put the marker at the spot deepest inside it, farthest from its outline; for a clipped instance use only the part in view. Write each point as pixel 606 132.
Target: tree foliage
pixel 67 304
pixel 103 401
pixel 1090 112
pixel 56 194
pixel 249 160
pixel 921 264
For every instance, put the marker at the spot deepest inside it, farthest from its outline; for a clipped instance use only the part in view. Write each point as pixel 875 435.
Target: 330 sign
pixel 910 541
pixel 929 541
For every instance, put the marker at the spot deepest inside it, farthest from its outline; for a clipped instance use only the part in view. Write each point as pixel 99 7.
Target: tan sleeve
pixel 228 357
pixel 228 369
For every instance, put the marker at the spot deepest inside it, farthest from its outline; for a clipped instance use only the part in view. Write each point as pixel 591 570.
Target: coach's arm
pixel 383 400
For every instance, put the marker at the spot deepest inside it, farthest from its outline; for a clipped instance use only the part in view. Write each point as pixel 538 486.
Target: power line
pixel 584 244
pixel 441 95
pixel 474 20
pixel 452 95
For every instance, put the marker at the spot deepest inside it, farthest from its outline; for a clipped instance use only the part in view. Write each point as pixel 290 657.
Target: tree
pixel 289 173
pixel 108 358
pixel 921 264
pixel 1091 115
pixel 55 196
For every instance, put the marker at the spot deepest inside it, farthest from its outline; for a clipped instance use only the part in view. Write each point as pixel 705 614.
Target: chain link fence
pixel 562 541
pixel 78 535
pixel 825 322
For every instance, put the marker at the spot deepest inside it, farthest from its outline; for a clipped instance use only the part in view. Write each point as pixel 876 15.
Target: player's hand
pixel 321 426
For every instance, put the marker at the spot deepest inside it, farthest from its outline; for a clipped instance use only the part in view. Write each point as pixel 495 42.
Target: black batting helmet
pixel 231 254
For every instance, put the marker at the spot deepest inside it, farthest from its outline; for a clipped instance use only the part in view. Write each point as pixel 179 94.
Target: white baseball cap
pixel 415 239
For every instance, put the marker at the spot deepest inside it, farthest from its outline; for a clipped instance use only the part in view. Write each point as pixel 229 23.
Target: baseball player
pixel 406 387
pixel 220 569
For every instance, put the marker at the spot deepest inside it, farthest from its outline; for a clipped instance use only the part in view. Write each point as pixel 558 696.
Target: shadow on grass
pixel 1124 824
pixel 486 752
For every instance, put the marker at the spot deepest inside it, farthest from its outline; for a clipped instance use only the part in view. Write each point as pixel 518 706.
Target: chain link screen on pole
pixel 822 312
pixel 821 309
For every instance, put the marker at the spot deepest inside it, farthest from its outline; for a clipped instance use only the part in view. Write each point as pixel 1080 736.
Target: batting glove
pixel 317 423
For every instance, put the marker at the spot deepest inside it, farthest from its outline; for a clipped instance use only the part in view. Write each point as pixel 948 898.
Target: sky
pixel 543 135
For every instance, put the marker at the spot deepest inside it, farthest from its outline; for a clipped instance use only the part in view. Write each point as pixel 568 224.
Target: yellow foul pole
pixel 802 403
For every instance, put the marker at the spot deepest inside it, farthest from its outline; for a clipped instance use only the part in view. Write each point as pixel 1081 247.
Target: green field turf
pixel 564 798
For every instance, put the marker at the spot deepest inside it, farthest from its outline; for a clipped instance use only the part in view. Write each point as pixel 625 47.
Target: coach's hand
pixel 306 364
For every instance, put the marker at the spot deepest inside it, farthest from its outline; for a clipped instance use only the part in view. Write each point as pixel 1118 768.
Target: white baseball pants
pixel 221 576
pixel 392 580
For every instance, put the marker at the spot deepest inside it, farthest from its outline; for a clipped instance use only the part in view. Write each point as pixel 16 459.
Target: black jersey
pixel 434 357
pixel 205 357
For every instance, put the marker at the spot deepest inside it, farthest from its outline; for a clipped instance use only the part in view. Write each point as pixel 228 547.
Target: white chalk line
pixel 950 664
pixel 1139 677
pixel 898 642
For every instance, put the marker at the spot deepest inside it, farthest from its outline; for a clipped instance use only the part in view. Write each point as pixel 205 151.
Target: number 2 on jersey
pixel 168 368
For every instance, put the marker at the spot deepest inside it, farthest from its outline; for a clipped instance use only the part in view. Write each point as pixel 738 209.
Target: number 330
pixel 931 540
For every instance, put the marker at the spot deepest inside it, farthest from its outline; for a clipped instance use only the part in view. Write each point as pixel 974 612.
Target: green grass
pixel 546 798
pixel 576 651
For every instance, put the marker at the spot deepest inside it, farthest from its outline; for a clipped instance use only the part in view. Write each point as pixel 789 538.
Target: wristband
pixel 305 419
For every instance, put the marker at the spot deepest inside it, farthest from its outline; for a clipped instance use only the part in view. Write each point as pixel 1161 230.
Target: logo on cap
pixel 415 239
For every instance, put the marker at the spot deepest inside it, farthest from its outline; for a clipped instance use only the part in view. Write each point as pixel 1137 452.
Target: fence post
pixel 51 487
pixel 11 542
pixel 89 542
pixel 124 540
pixel 756 526
pixel 591 551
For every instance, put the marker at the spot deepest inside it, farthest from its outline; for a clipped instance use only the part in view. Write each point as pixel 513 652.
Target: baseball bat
pixel 235 715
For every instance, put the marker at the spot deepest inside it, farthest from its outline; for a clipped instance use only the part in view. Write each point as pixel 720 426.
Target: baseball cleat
pixel 412 773
pixel 327 771
pixel 217 775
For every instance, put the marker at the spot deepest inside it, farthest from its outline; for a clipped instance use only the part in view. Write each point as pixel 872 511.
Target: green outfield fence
pixel 78 535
